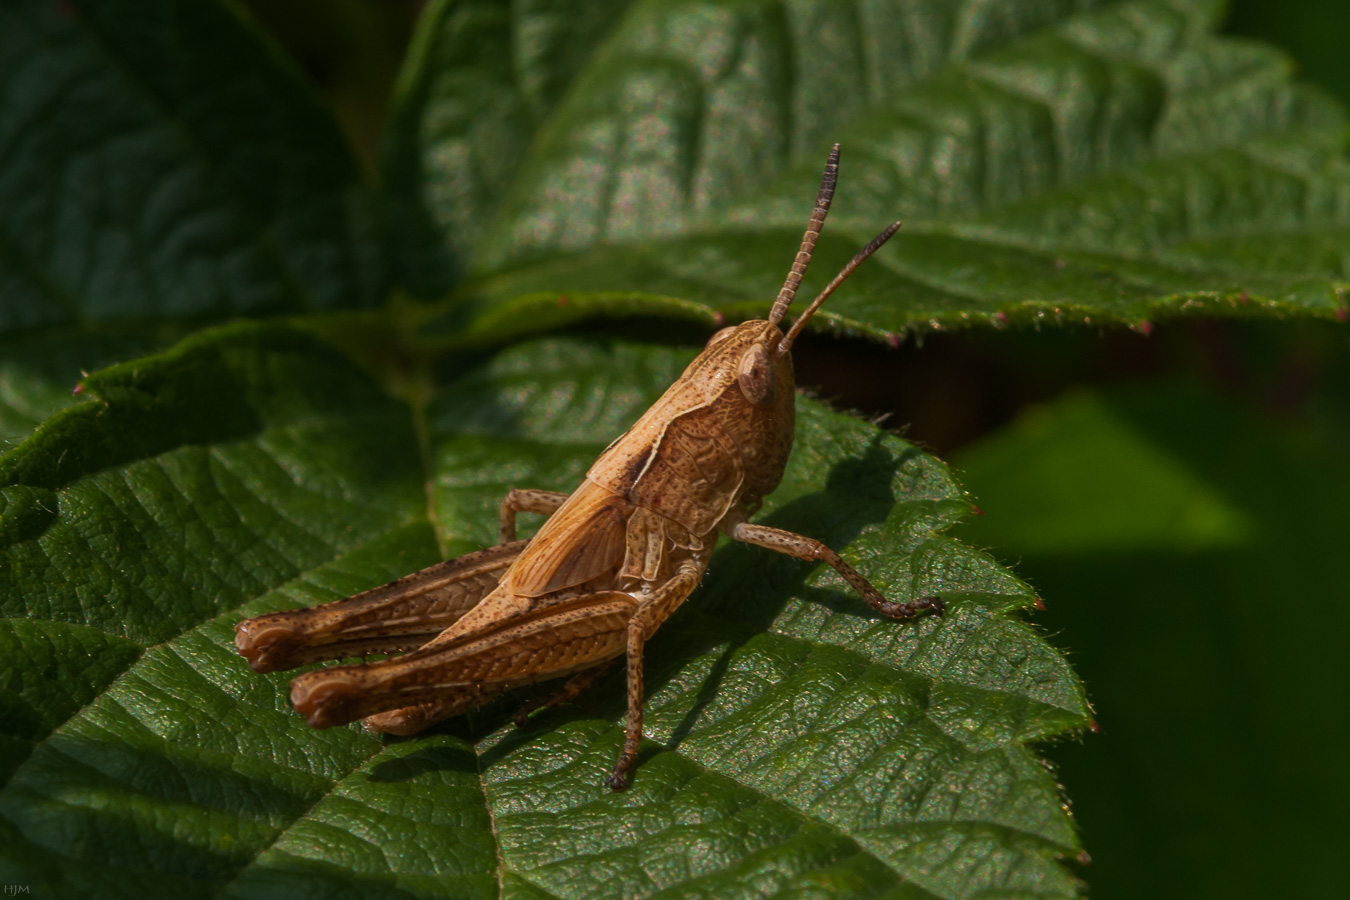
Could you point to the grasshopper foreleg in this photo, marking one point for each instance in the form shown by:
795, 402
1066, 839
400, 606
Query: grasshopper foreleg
519, 501
812, 550
646, 619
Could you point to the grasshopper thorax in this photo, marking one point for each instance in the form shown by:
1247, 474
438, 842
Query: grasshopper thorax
717, 440
752, 388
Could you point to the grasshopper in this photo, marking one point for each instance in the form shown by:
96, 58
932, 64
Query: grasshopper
615, 558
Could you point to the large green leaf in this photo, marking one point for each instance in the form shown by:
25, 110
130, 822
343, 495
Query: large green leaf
1053, 162
796, 742
161, 162
1196, 555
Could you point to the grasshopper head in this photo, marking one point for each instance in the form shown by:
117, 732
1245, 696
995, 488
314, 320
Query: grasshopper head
749, 350
748, 367
751, 390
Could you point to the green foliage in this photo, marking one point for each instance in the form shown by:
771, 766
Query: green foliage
38, 372
1051, 164
270, 422
1210, 629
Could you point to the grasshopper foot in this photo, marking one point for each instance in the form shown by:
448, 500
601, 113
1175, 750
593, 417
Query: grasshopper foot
622, 775
522, 715
913, 608
564, 694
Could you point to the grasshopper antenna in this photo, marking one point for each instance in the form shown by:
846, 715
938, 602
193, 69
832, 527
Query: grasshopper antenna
786, 343
813, 228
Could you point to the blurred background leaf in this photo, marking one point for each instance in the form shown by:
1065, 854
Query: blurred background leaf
163, 168
1191, 540
162, 163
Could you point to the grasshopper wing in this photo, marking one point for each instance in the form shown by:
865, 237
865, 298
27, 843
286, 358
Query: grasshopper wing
585, 540
401, 615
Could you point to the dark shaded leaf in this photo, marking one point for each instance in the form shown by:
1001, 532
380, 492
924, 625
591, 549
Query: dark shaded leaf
161, 162
40, 371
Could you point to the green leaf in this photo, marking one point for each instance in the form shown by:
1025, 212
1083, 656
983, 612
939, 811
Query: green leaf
1091, 481
1196, 549
796, 741
161, 162
1052, 162
40, 371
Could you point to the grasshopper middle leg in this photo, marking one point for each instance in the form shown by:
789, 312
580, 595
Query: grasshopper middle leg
519, 501
646, 619
811, 549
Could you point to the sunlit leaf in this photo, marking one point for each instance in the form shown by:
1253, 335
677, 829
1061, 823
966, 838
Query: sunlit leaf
1052, 162
795, 739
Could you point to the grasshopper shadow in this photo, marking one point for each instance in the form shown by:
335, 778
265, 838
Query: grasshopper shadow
423, 760
748, 586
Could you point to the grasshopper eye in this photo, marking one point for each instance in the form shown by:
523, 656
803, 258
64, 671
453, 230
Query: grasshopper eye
720, 336
756, 376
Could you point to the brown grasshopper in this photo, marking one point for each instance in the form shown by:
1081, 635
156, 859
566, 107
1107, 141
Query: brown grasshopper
616, 557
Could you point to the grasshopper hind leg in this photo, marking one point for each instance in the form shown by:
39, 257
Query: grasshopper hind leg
646, 619
421, 716
402, 615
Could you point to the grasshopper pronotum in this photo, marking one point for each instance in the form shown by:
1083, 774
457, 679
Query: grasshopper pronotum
616, 557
